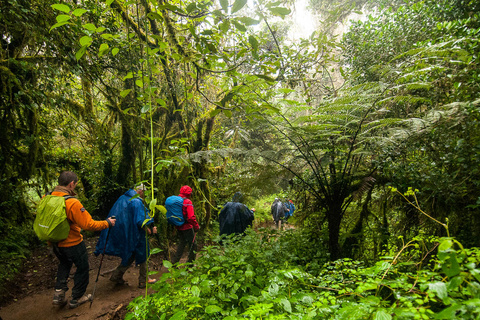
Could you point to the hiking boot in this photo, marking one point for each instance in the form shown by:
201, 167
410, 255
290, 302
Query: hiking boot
118, 282
82, 300
142, 285
59, 297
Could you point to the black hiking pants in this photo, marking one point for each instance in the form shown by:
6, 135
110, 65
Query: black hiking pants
187, 239
68, 256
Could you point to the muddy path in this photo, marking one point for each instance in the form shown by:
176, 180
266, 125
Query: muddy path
30, 295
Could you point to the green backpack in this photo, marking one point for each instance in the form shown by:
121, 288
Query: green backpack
51, 222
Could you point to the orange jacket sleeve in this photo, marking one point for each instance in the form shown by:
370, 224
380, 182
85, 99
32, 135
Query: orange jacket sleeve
79, 219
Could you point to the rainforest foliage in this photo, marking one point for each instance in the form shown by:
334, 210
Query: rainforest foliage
221, 96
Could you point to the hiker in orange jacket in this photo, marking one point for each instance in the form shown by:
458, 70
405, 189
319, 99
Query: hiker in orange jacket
72, 250
186, 232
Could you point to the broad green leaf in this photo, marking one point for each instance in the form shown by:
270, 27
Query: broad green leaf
128, 76
214, 112
61, 7
264, 77
155, 251
382, 315
213, 309
180, 315
56, 25
450, 312
155, 16
195, 291
103, 48
239, 26
89, 27
280, 11
139, 83
109, 2
253, 42
225, 25
100, 29
227, 113
152, 204
125, 92
80, 52
144, 223
439, 288
63, 17
238, 4
79, 12
286, 305
86, 41
191, 7
248, 21
162, 209
115, 51
224, 5
167, 264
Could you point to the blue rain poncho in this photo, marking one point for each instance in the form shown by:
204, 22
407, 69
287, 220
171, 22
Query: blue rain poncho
235, 217
127, 236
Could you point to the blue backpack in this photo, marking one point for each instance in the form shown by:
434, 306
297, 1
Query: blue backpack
174, 206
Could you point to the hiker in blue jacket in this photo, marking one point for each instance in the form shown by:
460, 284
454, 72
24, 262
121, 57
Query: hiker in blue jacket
290, 209
235, 217
127, 240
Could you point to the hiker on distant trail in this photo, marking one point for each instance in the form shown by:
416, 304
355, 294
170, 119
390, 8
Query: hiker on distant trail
127, 240
278, 212
72, 250
235, 217
290, 209
186, 232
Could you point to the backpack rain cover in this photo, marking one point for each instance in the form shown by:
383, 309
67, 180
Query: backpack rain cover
51, 222
174, 205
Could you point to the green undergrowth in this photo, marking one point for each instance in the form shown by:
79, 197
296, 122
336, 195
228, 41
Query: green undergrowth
258, 277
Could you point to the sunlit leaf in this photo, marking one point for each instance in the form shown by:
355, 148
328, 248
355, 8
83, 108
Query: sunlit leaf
61, 7
63, 17
103, 48
56, 25
89, 27
180, 315
213, 309
115, 51
79, 12
86, 41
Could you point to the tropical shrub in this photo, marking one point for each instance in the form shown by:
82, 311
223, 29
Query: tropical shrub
253, 278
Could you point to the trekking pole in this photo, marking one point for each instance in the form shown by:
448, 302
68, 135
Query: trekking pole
193, 242
100, 266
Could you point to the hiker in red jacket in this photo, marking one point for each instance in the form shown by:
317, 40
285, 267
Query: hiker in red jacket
186, 232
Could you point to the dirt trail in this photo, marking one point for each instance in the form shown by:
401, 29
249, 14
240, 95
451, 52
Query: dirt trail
31, 292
